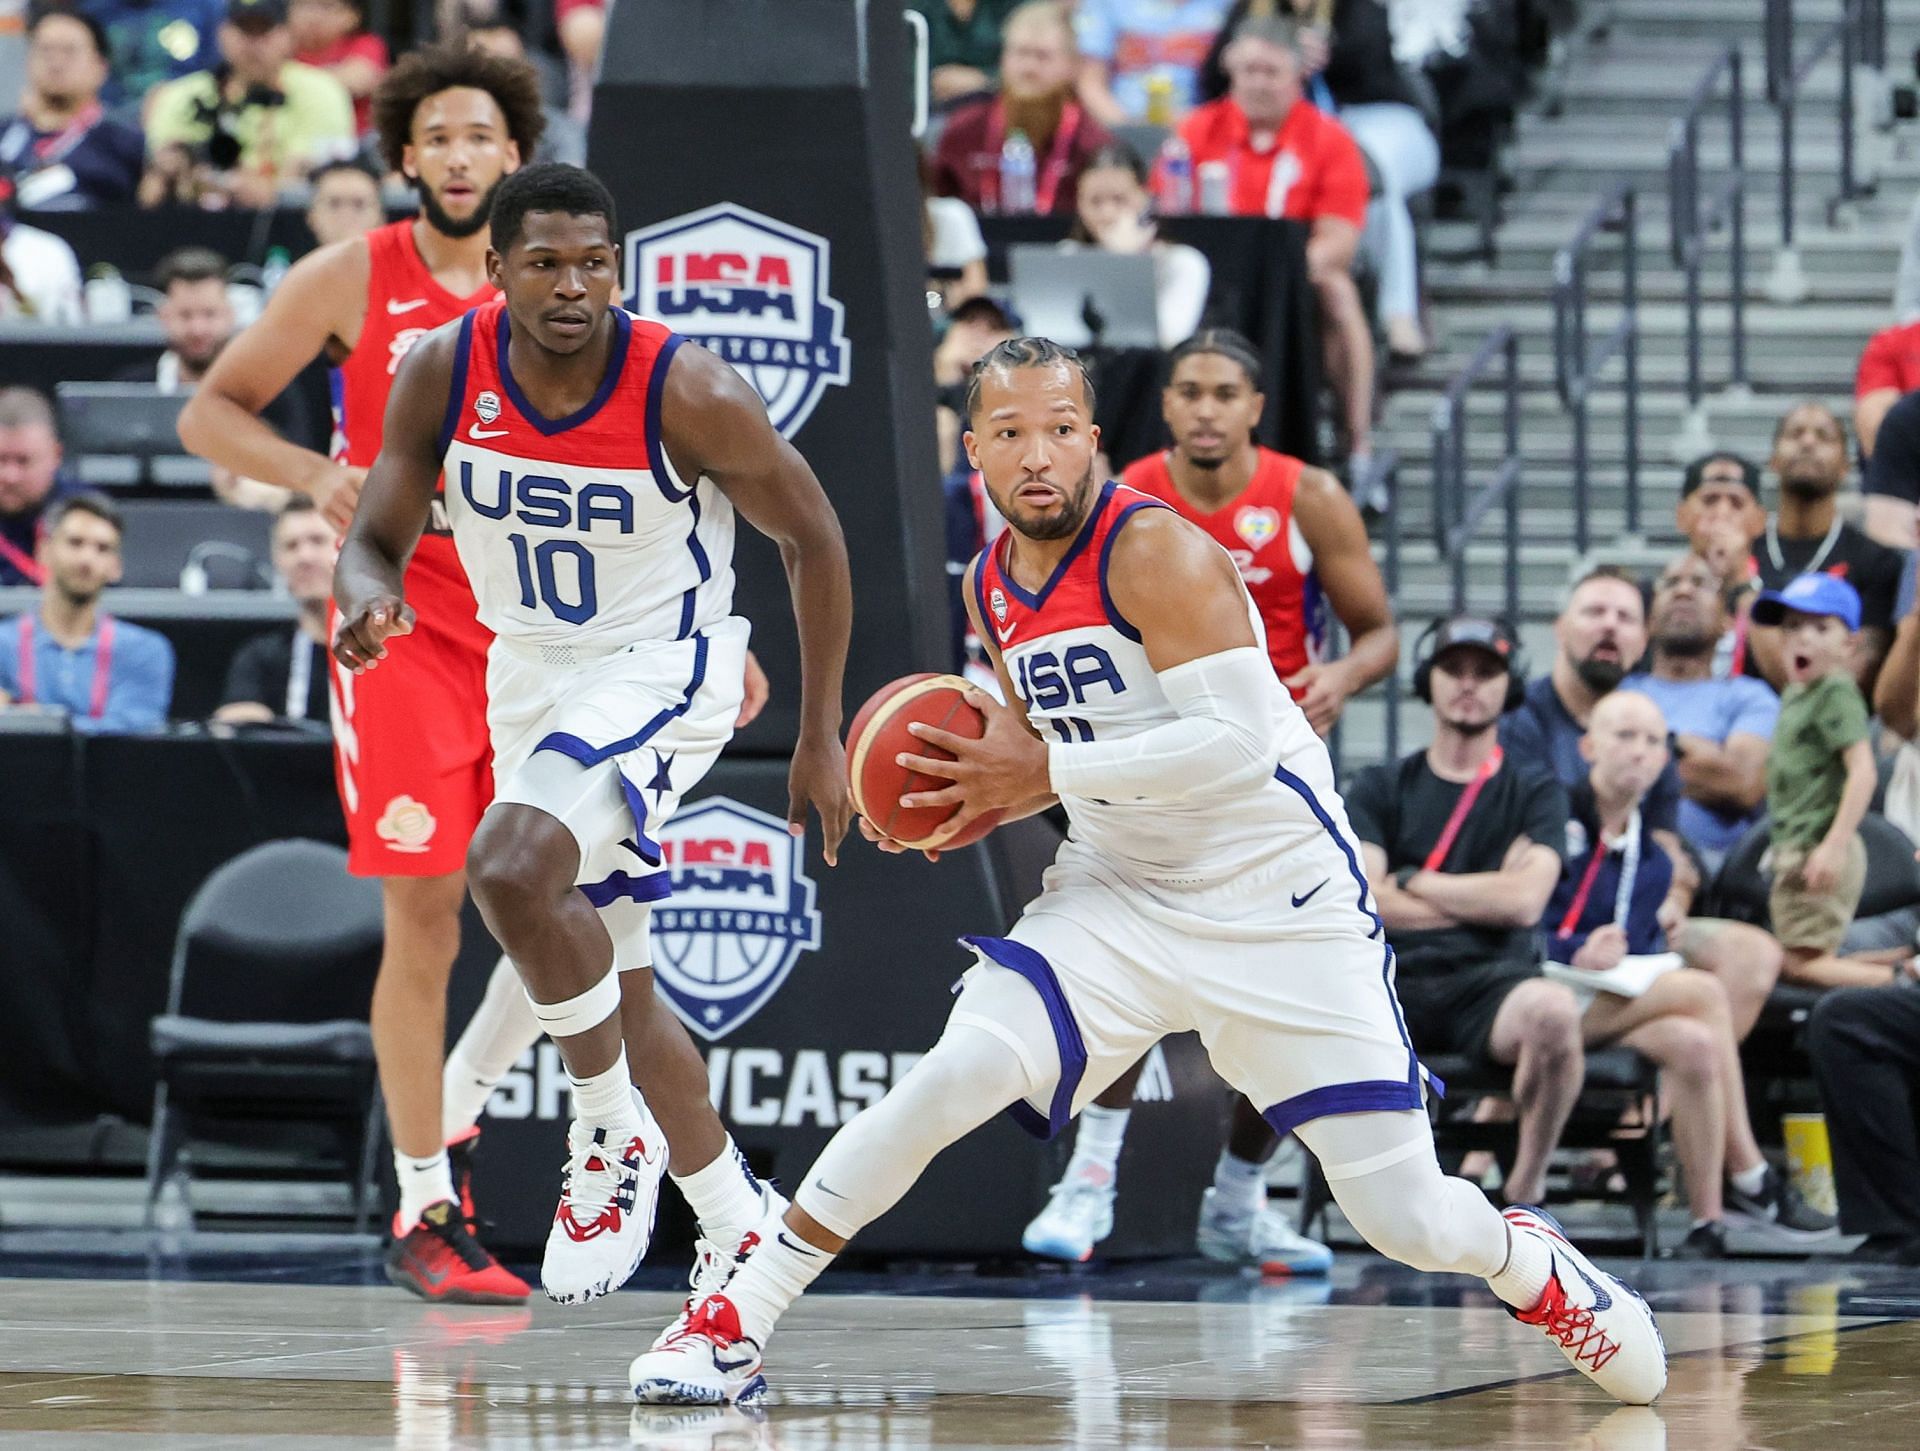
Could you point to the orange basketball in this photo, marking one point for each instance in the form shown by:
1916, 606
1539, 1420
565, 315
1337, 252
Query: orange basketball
879, 733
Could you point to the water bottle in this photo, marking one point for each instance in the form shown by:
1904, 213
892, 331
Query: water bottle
1216, 188
1174, 184
1159, 99
108, 298
275, 267
1016, 174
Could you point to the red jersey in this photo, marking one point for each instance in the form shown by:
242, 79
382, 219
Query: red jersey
1310, 168
1891, 360
1259, 531
404, 304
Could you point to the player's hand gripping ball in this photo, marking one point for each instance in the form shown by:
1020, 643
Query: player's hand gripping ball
877, 780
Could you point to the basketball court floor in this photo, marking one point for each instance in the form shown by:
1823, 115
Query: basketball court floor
231, 1347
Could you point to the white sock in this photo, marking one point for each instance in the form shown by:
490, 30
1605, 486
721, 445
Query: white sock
1529, 1263
606, 1100
1751, 1181
725, 1197
503, 1027
1239, 1187
1097, 1146
423, 1183
775, 1275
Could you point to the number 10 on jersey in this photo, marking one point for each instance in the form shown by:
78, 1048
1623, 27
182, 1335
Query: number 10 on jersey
542, 564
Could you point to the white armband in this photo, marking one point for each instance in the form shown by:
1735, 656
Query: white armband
1227, 736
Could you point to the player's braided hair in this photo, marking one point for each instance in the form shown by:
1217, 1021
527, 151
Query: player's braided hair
1026, 353
513, 84
1221, 342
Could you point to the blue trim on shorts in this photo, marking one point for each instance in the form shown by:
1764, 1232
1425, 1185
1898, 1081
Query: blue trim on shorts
1119, 621
451, 420
1373, 1094
589, 755
648, 848
1020, 958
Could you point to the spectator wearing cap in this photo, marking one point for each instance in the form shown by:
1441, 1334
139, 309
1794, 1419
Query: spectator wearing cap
1721, 727
238, 133
62, 151
70, 655
1286, 158
30, 481
1463, 844
331, 35
1036, 98
1806, 535
1721, 516
150, 42
1820, 780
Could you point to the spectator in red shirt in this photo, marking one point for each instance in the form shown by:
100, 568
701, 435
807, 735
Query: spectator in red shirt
1889, 366
331, 34
1287, 158
1038, 63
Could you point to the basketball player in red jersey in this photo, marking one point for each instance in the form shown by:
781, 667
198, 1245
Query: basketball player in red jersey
1301, 547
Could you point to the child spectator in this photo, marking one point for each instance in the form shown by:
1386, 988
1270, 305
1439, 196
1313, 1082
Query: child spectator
1820, 779
331, 35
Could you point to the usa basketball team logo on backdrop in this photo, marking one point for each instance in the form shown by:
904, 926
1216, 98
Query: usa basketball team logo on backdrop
741, 913
754, 291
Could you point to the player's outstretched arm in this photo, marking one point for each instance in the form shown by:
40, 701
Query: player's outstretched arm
1335, 533
221, 421
712, 423
368, 579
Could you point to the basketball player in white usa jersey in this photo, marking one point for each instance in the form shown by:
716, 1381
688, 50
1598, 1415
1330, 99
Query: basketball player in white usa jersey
1210, 882
593, 466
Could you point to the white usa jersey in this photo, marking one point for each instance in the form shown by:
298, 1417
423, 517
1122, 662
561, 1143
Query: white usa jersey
1083, 675
577, 530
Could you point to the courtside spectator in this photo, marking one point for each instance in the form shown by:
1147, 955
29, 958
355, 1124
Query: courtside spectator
1286, 158
1807, 535
71, 655
282, 674
239, 132
345, 202
61, 151
1463, 846
1114, 214
1721, 727
152, 41
1865, 1047
1036, 98
30, 480
963, 45
1720, 514
1143, 57
39, 275
1891, 479
331, 35
1606, 907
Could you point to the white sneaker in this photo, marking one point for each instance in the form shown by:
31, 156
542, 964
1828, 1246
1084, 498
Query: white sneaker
1595, 1318
608, 1193
703, 1360
713, 1265
1079, 1214
1263, 1238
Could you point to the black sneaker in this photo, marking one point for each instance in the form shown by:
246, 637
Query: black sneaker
1703, 1242
1778, 1209
460, 1162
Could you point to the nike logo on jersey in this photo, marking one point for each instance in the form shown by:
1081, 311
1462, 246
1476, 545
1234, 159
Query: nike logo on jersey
1006, 634
1302, 900
394, 309
476, 431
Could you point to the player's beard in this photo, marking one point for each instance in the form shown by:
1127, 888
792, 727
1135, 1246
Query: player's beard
1069, 519
452, 226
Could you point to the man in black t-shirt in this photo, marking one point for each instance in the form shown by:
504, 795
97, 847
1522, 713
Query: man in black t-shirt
1463, 845
282, 674
1806, 534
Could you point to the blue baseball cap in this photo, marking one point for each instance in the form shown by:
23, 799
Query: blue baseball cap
1810, 594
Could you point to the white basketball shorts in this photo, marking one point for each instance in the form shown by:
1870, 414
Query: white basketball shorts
1285, 974
609, 743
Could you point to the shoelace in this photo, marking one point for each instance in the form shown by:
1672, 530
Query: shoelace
1572, 1326
591, 1181
1071, 1194
453, 1233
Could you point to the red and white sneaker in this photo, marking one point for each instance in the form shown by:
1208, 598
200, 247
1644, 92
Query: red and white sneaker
703, 1359
608, 1194
1597, 1320
440, 1260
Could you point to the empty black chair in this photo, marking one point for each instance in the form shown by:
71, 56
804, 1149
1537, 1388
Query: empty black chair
266, 1021
171, 541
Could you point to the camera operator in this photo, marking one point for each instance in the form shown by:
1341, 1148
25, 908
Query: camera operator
234, 135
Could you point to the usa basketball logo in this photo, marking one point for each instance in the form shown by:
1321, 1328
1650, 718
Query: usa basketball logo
998, 603
754, 291
741, 913
487, 405
1256, 526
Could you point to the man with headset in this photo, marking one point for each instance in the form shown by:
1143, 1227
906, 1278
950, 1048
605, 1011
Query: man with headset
1464, 844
